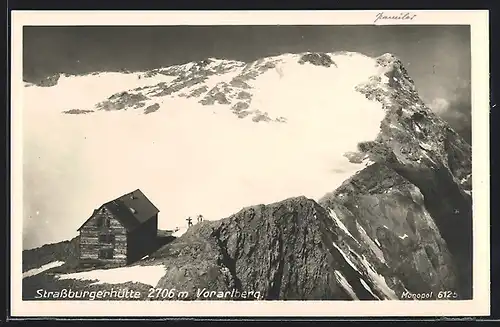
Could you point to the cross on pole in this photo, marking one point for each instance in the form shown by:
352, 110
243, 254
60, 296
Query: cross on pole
189, 220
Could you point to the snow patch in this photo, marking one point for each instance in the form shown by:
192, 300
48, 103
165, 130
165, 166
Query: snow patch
406, 111
385, 79
188, 66
378, 252
36, 271
345, 284
377, 241
149, 275
403, 237
339, 223
346, 258
426, 155
425, 146
463, 180
369, 163
180, 232
379, 280
365, 285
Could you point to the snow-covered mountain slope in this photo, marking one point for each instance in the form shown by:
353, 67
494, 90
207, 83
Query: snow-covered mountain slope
367, 193
219, 135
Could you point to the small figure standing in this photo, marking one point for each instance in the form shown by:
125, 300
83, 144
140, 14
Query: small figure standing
200, 218
190, 223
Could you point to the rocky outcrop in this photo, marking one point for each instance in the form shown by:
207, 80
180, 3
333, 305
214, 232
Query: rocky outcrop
49, 81
123, 100
285, 251
317, 59
151, 108
77, 112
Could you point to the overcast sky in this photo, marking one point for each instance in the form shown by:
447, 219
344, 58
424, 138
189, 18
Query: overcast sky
437, 57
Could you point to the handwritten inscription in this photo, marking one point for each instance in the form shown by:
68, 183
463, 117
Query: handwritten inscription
381, 16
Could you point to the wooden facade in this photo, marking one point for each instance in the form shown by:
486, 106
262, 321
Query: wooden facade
120, 232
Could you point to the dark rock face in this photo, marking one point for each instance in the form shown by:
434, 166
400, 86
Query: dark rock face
317, 59
391, 226
283, 251
423, 149
280, 250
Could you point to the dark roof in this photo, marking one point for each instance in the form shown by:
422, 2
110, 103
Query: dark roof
131, 209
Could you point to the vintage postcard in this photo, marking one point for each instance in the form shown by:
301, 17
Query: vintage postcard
250, 163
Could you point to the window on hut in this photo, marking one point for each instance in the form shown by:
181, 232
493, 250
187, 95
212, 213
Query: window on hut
105, 253
103, 222
106, 238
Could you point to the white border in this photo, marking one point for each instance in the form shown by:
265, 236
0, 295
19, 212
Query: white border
478, 20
